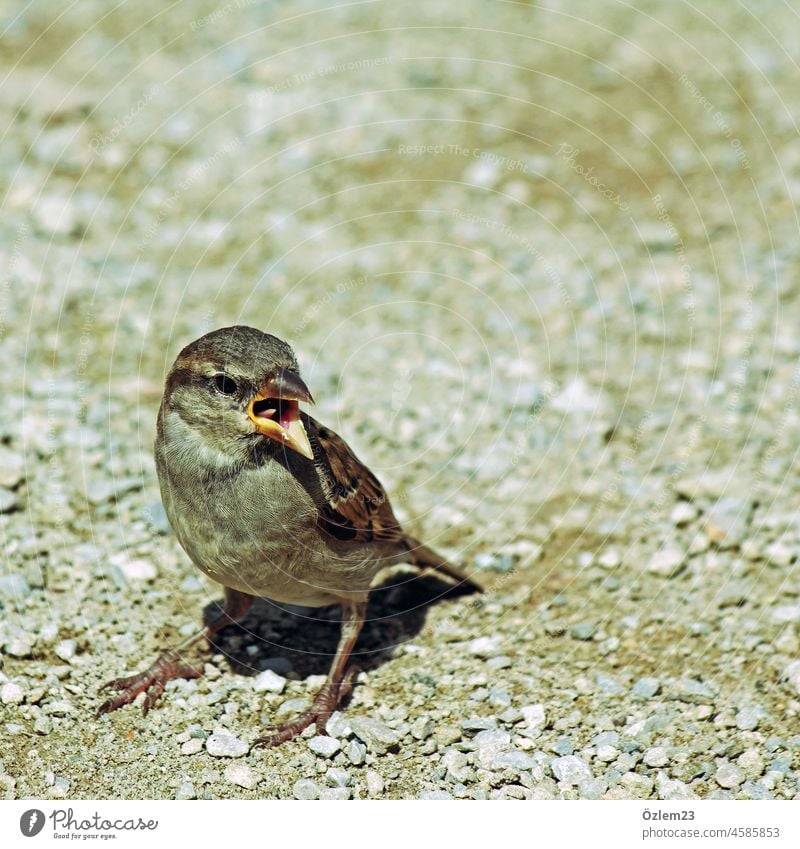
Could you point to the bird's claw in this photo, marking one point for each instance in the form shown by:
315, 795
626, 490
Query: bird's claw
152, 682
325, 703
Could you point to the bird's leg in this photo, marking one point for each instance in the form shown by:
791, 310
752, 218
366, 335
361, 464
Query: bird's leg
170, 664
337, 686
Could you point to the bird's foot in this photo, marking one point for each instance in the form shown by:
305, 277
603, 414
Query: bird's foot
152, 681
325, 703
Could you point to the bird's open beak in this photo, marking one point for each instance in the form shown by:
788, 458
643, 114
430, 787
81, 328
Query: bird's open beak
275, 411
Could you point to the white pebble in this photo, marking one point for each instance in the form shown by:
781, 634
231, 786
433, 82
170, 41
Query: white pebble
325, 747
11, 694
269, 681
241, 775
226, 746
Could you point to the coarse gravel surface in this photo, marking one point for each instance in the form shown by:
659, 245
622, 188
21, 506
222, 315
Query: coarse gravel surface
540, 267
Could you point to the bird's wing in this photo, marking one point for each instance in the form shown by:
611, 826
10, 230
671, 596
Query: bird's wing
356, 507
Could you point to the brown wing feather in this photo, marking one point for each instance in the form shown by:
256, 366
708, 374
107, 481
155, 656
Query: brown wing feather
357, 508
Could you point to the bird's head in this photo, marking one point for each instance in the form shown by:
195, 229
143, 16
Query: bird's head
237, 384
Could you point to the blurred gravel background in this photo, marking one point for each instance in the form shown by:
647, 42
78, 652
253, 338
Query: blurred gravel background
539, 263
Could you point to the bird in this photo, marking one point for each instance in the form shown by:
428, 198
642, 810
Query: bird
269, 503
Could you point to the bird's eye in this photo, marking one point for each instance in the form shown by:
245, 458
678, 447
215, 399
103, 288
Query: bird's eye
225, 384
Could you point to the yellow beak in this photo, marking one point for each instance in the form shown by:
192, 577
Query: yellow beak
276, 413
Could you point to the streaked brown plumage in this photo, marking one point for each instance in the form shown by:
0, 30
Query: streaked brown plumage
268, 502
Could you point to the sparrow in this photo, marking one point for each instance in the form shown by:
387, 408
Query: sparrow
269, 503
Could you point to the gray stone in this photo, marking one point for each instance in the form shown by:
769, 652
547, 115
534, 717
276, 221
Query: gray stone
749, 717
791, 673
729, 775
513, 760
338, 777
335, 793
534, 716
457, 765
655, 757
186, 791
780, 554
485, 646
374, 783
12, 468
338, 725
672, 788
432, 795
11, 694
583, 631
786, 613
14, 587
377, 736
356, 752
241, 775
491, 744
422, 728
692, 691
269, 681
727, 520
325, 747
608, 684
646, 688
592, 788
305, 789
8, 500
570, 769
667, 562
226, 746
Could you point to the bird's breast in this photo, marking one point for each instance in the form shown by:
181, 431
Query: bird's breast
256, 531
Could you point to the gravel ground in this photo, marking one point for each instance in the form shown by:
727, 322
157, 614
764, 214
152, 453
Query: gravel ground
540, 268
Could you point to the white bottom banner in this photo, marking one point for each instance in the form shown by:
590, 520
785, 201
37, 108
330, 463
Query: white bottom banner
463, 824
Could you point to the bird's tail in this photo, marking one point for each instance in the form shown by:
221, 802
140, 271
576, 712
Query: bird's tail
425, 557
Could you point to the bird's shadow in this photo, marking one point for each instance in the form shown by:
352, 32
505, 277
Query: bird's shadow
303, 641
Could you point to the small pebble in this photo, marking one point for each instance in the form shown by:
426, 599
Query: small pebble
14, 587
241, 775
729, 775
356, 752
335, 793
338, 777
374, 783
8, 500
325, 747
656, 756
667, 562
269, 681
534, 716
377, 736
306, 789
192, 746
570, 769
226, 746
491, 744
11, 694
646, 688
